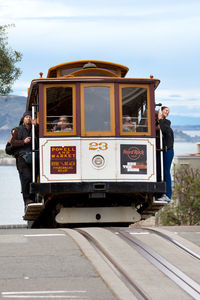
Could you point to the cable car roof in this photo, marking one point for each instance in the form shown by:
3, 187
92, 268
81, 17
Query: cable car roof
83, 67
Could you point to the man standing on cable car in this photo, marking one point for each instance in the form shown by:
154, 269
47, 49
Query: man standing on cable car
22, 142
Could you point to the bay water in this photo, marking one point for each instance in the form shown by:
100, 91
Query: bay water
11, 200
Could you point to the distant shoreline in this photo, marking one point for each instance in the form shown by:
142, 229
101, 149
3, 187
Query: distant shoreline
7, 161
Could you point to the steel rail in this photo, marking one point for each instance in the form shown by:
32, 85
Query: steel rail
167, 237
186, 283
121, 273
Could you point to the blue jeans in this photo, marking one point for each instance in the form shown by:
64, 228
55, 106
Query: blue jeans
167, 160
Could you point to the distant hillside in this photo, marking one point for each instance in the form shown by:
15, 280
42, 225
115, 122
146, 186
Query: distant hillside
11, 111
180, 136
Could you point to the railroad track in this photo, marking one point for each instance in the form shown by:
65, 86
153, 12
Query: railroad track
181, 246
121, 250
116, 267
184, 281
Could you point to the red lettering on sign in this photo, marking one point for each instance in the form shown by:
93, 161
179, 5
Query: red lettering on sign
133, 153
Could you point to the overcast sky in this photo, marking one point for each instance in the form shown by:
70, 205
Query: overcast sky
155, 37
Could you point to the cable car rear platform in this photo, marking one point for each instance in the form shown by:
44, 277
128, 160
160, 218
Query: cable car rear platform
94, 202
94, 187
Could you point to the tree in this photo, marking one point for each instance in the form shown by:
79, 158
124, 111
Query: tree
8, 58
185, 207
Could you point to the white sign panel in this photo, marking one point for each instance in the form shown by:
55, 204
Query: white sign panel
100, 159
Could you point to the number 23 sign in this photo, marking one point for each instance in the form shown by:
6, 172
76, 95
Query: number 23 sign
98, 146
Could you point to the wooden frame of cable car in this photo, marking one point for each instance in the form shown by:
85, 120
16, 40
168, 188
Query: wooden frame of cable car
77, 78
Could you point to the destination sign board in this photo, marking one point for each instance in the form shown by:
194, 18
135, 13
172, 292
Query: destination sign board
63, 160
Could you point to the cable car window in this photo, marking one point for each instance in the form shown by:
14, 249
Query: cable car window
92, 74
59, 109
134, 107
97, 108
65, 72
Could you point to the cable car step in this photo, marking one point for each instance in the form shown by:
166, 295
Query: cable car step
159, 203
33, 211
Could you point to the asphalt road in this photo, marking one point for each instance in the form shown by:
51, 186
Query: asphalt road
49, 263
46, 264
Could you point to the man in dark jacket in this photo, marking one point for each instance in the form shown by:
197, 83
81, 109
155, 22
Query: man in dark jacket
21, 142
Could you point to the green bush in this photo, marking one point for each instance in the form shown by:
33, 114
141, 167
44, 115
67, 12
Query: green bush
185, 206
2, 153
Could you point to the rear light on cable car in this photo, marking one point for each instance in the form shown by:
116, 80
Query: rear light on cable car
98, 161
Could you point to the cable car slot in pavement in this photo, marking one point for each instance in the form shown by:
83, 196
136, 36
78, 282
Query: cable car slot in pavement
122, 274
181, 279
167, 237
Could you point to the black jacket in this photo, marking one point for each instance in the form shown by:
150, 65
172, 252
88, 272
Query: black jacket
18, 137
168, 134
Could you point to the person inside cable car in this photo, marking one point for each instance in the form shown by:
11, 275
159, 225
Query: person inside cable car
128, 125
62, 124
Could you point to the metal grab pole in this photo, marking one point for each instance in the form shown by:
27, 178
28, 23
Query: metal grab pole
33, 145
161, 156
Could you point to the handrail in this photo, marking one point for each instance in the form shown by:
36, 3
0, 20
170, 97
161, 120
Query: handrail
33, 144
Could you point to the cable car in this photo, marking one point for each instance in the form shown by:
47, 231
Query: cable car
97, 146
